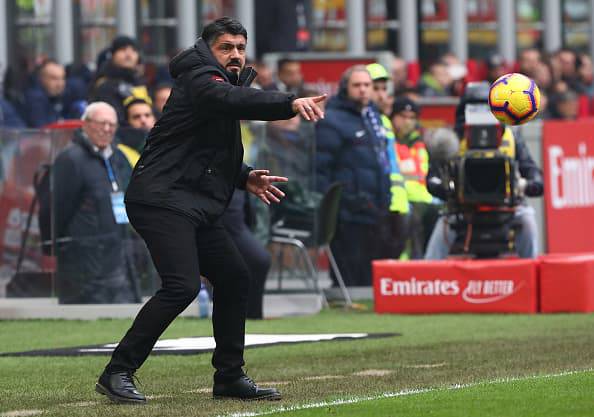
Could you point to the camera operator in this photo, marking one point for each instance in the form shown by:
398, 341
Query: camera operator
530, 183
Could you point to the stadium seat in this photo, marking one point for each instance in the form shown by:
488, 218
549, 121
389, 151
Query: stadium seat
320, 238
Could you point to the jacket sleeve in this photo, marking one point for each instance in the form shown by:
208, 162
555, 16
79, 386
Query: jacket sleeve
67, 185
328, 144
529, 170
212, 95
243, 176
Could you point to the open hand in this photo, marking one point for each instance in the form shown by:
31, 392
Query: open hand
308, 107
260, 184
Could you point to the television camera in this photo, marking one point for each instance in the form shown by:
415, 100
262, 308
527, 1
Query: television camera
482, 183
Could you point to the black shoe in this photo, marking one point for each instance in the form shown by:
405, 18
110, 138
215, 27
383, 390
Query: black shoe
119, 387
244, 388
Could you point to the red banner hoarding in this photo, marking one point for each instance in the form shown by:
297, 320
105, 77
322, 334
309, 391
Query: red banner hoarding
477, 286
568, 153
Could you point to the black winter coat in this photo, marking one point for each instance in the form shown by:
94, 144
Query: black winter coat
114, 84
193, 157
91, 245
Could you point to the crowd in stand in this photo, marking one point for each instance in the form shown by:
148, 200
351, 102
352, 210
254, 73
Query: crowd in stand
565, 79
385, 199
54, 92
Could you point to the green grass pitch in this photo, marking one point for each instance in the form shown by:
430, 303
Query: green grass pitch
441, 365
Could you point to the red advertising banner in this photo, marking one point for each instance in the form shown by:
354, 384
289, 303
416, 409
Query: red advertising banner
477, 286
568, 151
567, 283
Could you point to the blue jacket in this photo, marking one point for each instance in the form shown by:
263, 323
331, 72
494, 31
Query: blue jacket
9, 116
39, 109
347, 151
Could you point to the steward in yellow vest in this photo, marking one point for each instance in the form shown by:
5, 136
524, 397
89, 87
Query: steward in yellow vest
392, 232
414, 165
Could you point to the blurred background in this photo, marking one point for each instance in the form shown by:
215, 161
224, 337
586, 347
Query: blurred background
55, 56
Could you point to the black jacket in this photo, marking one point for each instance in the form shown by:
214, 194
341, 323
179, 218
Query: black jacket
114, 84
192, 160
82, 190
90, 247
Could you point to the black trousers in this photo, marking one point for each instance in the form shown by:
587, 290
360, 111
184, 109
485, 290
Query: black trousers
257, 259
181, 252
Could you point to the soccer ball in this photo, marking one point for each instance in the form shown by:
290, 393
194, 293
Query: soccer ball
514, 99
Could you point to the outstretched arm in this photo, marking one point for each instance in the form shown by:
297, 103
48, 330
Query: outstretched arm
212, 95
261, 185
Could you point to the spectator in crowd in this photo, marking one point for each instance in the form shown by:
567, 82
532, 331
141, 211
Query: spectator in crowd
391, 237
161, 93
380, 96
80, 72
414, 165
567, 60
9, 117
140, 115
559, 86
543, 76
265, 79
495, 67
409, 92
457, 71
399, 73
564, 105
437, 81
289, 76
91, 226
118, 77
544, 111
132, 138
349, 150
528, 61
52, 97
586, 75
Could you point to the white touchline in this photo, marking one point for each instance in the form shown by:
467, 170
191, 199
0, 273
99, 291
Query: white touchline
351, 400
354, 400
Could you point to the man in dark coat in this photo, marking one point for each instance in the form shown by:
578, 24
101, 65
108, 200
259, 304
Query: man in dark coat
53, 97
351, 149
93, 266
181, 186
117, 79
9, 117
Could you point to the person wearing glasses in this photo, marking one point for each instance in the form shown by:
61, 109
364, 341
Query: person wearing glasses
90, 223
